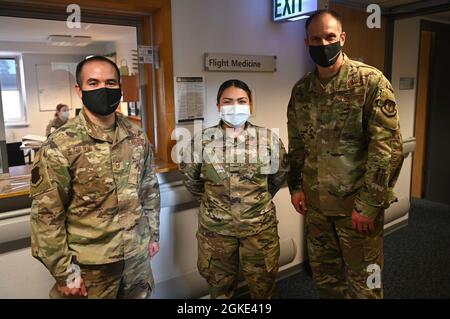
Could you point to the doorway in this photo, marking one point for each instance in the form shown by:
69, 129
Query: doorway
431, 174
37, 72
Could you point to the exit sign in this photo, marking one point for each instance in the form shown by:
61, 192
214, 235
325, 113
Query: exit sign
295, 9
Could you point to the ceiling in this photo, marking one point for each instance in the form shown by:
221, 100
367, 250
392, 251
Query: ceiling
399, 6
445, 16
35, 30
385, 4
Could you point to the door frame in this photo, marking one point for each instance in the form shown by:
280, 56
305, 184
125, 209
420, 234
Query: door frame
151, 16
427, 31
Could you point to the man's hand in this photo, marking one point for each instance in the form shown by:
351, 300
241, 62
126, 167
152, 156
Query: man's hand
362, 223
298, 200
75, 288
153, 248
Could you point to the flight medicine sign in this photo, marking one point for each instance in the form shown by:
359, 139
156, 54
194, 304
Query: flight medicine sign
240, 63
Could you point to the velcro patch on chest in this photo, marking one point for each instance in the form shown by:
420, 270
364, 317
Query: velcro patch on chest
36, 177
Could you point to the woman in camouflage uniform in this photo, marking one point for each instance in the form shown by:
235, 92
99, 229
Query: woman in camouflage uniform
60, 118
236, 170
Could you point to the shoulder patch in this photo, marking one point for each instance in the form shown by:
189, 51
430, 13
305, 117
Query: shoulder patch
36, 177
389, 108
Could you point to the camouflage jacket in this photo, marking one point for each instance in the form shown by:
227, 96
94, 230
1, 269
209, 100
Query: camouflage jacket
345, 145
93, 198
236, 191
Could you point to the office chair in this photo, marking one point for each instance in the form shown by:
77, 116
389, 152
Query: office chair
15, 154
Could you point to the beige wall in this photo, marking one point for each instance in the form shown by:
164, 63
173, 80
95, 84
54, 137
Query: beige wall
405, 64
364, 44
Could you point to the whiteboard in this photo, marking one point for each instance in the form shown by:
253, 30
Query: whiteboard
53, 85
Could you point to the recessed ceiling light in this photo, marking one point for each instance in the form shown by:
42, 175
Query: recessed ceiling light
68, 40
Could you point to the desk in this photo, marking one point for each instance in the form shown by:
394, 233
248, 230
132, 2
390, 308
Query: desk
17, 184
20, 170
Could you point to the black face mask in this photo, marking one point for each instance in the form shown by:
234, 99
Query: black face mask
325, 55
102, 101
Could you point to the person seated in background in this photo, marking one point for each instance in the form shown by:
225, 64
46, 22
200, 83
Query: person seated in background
60, 118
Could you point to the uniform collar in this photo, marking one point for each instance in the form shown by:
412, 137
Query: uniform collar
339, 82
123, 129
240, 139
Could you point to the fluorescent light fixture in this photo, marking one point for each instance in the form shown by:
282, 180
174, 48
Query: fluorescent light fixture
69, 40
299, 18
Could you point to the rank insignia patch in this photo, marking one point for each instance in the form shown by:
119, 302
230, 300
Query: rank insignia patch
36, 177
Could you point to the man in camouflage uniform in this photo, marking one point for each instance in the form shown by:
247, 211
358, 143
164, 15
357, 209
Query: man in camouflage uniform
95, 208
345, 151
237, 218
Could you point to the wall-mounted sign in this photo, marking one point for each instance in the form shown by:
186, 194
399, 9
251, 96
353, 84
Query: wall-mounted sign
240, 63
190, 94
296, 9
406, 83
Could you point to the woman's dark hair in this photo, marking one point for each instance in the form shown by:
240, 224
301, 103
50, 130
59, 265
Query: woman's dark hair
59, 107
234, 83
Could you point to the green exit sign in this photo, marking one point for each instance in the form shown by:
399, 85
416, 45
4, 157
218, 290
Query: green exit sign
295, 9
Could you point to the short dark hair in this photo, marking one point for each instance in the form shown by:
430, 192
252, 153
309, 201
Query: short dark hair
320, 13
234, 83
98, 58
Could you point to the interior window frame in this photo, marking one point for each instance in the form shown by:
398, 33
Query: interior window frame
23, 121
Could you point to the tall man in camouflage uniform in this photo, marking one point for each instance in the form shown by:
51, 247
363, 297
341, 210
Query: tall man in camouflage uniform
95, 209
345, 151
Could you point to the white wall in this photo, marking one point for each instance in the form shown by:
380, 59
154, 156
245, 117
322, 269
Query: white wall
240, 27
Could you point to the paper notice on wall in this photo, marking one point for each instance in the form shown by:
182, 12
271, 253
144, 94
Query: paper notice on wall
145, 54
189, 98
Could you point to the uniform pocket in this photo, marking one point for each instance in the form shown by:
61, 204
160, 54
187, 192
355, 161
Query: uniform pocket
204, 257
214, 174
136, 165
253, 173
272, 253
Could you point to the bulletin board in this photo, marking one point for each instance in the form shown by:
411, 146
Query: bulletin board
53, 85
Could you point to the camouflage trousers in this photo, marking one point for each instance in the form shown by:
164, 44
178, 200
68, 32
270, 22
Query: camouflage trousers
220, 257
127, 279
344, 262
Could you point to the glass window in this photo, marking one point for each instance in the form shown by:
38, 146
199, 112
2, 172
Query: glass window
11, 93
